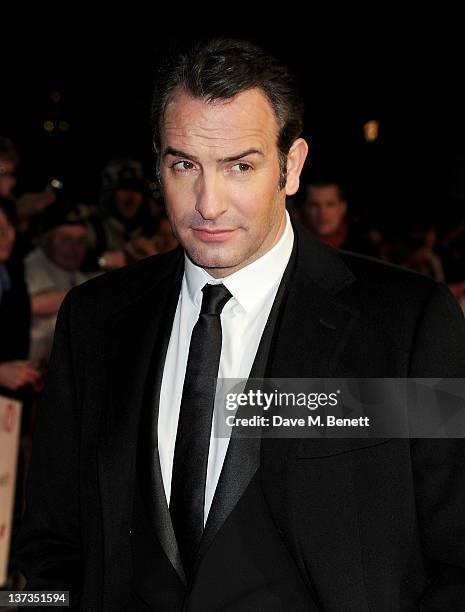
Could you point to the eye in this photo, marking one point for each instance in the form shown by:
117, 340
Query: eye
183, 166
242, 168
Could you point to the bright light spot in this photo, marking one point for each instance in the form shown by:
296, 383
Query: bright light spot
370, 130
56, 184
49, 126
64, 126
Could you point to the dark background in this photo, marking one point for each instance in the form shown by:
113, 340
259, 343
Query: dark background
405, 72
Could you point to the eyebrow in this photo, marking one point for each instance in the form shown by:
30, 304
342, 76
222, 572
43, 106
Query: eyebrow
178, 153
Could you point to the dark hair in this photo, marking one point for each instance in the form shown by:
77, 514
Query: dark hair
8, 151
326, 182
219, 69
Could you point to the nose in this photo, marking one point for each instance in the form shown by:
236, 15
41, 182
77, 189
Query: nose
210, 201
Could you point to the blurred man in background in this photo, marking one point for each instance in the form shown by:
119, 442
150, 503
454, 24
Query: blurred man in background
8, 167
324, 212
126, 217
29, 205
52, 269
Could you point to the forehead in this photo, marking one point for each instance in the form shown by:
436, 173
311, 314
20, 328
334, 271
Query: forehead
328, 192
245, 121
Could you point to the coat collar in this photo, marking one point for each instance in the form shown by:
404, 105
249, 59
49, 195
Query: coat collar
317, 319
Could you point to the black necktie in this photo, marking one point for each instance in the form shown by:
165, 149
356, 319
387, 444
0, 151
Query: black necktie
194, 426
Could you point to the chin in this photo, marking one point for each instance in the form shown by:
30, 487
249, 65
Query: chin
212, 259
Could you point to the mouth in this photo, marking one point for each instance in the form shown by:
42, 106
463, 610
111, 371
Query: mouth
212, 235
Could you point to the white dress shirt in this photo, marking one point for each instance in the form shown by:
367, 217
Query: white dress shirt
253, 289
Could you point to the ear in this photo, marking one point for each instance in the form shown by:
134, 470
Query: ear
295, 161
344, 206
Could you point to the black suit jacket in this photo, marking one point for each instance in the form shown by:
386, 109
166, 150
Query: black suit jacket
367, 524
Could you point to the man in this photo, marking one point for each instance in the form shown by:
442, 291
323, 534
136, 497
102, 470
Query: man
29, 204
16, 373
125, 220
133, 504
52, 269
324, 212
8, 167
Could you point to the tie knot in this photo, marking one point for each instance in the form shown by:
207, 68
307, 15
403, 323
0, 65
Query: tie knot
214, 299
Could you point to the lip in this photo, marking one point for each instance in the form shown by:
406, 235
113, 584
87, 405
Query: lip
212, 235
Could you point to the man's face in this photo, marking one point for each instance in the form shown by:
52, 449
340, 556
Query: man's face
67, 246
7, 178
7, 237
219, 173
324, 210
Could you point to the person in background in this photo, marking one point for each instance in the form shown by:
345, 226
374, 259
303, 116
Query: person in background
8, 167
126, 216
52, 269
29, 204
16, 372
324, 213
419, 251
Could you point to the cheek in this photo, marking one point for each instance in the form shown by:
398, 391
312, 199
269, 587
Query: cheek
179, 215
334, 216
177, 208
254, 200
314, 214
178, 196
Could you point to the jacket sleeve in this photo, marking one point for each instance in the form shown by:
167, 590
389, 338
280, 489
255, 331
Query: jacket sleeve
49, 539
439, 464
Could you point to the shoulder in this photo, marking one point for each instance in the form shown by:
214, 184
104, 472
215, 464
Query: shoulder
373, 275
395, 290
37, 272
109, 292
362, 281
407, 304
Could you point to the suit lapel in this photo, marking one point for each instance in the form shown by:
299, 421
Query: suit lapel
150, 475
316, 321
313, 330
133, 337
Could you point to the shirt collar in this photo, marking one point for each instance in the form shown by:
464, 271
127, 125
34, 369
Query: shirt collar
249, 285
